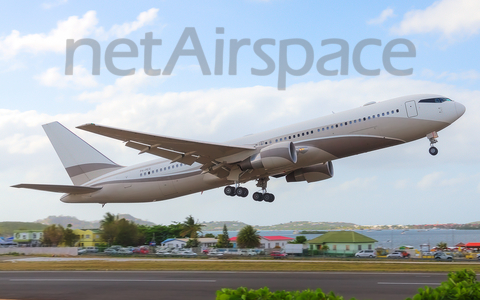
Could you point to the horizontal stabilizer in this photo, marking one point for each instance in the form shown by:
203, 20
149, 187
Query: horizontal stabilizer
67, 189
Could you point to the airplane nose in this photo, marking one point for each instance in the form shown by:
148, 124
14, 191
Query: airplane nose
460, 108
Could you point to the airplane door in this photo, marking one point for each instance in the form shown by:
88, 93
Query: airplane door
411, 109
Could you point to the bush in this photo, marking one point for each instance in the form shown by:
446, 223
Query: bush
461, 285
265, 294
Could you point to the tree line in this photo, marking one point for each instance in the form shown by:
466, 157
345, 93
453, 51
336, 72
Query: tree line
116, 231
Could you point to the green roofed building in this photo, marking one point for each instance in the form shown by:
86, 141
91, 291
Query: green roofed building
342, 242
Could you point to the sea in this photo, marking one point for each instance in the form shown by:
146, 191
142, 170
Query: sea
392, 239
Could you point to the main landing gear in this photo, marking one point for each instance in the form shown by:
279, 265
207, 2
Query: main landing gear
236, 191
432, 137
257, 196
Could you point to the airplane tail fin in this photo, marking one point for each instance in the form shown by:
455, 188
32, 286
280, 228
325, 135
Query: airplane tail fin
81, 161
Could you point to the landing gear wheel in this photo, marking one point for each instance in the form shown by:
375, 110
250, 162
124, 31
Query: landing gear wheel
229, 190
241, 192
257, 196
433, 151
267, 197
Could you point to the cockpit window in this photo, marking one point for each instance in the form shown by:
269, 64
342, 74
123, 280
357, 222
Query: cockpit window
434, 100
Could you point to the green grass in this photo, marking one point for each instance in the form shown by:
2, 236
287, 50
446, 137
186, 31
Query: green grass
224, 265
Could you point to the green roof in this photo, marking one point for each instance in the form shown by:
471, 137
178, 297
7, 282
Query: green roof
342, 237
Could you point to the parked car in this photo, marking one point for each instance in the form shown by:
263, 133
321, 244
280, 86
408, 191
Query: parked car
185, 252
215, 252
232, 252
125, 251
366, 253
141, 250
248, 252
399, 254
205, 251
110, 251
278, 254
91, 249
442, 256
81, 250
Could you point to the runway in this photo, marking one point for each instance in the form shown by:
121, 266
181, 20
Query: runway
93, 285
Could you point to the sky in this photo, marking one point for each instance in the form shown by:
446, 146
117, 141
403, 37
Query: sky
399, 185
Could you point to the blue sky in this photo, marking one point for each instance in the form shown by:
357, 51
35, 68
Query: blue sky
401, 185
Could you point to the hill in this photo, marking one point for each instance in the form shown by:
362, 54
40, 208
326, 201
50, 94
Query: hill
7, 228
79, 224
307, 225
300, 225
218, 225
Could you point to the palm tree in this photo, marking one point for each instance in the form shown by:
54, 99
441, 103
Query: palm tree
108, 218
248, 237
190, 228
442, 245
109, 227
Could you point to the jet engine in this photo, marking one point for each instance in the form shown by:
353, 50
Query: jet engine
312, 173
273, 156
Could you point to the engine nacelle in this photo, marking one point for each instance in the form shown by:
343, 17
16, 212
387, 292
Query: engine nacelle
312, 173
271, 157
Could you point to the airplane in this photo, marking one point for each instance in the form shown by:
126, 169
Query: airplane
299, 152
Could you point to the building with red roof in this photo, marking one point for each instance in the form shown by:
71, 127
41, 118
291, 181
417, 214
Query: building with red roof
268, 242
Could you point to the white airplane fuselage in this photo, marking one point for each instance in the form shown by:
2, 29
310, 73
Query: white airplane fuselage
324, 139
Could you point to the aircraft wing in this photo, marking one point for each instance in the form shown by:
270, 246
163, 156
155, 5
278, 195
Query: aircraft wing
67, 189
175, 149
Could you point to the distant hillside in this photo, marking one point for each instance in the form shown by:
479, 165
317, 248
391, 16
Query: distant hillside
301, 225
7, 228
306, 225
218, 225
79, 224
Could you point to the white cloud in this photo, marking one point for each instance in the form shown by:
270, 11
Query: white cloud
73, 28
143, 19
48, 5
80, 79
430, 180
451, 18
387, 13
451, 76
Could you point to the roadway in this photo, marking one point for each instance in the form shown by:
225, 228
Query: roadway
120, 285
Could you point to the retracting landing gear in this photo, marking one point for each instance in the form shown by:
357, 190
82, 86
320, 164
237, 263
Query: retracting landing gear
259, 196
432, 137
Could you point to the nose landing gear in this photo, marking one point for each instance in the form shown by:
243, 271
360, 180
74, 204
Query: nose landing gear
432, 137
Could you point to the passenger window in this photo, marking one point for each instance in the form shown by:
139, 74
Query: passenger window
323, 129
354, 121
341, 124
373, 117
280, 139
303, 134
388, 113
307, 132
336, 125
364, 119
378, 116
350, 122
311, 131
398, 110
383, 114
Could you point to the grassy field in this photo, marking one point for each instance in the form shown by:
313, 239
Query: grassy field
225, 265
